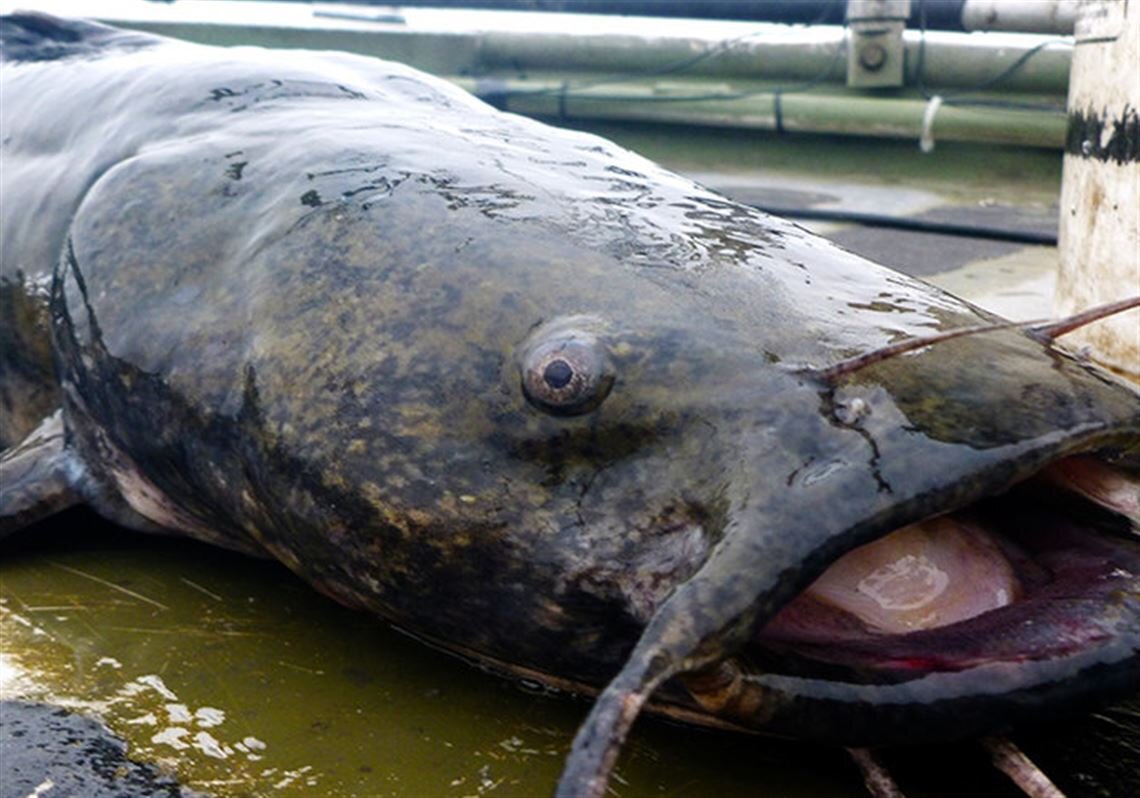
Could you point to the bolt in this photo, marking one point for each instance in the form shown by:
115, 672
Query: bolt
872, 57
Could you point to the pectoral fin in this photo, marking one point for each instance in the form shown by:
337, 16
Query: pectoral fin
35, 477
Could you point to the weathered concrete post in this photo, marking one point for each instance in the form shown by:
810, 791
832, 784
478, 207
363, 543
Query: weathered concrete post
1100, 190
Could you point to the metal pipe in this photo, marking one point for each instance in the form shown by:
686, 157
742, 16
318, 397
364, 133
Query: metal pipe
1022, 16
809, 112
941, 14
947, 61
757, 81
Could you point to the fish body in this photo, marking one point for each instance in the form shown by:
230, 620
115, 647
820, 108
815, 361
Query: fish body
531, 397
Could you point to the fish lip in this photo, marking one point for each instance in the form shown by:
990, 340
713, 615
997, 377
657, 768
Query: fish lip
869, 691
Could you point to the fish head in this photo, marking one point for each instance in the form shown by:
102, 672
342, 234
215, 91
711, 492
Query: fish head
897, 550
669, 454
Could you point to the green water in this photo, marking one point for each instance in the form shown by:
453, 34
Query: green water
243, 681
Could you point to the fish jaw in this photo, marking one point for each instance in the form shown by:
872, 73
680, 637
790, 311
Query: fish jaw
858, 690
823, 668
894, 445
1045, 515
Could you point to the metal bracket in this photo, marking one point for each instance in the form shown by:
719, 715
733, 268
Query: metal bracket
875, 44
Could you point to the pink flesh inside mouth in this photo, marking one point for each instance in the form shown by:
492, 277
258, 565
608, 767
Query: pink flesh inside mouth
922, 576
1013, 579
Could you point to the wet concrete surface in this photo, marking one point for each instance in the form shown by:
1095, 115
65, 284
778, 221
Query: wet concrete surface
918, 253
47, 750
926, 254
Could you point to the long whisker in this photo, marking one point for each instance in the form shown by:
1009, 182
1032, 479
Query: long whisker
876, 778
599, 740
1043, 331
853, 364
1048, 332
1013, 762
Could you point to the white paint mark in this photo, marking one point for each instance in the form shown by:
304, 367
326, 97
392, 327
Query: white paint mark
172, 737
43, 787
207, 717
155, 682
179, 713
20, 619
9, 673
291, 776
209, 745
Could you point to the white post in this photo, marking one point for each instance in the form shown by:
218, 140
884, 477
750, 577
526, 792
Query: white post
1100, 189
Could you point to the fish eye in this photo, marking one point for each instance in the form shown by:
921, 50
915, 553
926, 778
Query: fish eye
566, 372
558, 374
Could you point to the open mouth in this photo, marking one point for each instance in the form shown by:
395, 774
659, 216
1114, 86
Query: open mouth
1048, 569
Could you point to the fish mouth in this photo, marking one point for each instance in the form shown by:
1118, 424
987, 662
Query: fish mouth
1042, 574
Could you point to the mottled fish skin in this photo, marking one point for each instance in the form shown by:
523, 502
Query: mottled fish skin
290, 298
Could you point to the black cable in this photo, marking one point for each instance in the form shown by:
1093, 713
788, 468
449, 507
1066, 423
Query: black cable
960, 98
916, 225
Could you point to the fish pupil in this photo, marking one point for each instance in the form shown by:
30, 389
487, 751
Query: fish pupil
558, 374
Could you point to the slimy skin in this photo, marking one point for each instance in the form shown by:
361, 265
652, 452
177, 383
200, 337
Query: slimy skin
519, 391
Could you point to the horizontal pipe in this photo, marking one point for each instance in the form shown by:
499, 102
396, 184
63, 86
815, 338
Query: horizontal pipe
1028, 16
1023, 16
639, 77
808, 112
940, 14
947, 61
